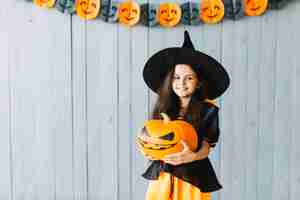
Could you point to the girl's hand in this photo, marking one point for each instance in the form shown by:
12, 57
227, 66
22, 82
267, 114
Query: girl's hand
186, 155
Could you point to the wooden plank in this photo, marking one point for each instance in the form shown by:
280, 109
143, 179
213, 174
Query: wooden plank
254, 51
266, 75
226, 115
102, 107
294, 181
79, 98
139, 103
283, 105
5, 129
125, 106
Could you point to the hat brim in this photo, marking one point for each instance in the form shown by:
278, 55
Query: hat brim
158, 65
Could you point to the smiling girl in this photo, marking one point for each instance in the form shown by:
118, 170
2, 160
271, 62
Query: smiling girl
185, 80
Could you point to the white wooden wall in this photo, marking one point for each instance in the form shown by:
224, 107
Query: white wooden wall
72, 99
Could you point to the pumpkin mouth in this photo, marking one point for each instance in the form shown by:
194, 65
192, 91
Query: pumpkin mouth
212, 16
168, 19
129, 18
255, 8
153, 146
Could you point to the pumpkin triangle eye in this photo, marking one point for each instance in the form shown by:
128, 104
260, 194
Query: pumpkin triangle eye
169, 136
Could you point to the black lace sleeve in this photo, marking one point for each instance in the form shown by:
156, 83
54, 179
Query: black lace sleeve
211, 131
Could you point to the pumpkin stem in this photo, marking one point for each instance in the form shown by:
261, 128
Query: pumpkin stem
165, 117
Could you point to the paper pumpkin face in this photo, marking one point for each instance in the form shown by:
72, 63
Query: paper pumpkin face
234, 9
149, 14
162, 137
212, 11
190, 13
45, 3
87, 9
169, 14
129, 13
255, 7
109, 11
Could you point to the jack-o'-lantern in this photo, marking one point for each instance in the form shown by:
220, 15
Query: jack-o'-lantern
212, 11
162, 137
169, 14
45, 3
87, 9
109, 11
129, 13
255, 7
190, 13
149, 14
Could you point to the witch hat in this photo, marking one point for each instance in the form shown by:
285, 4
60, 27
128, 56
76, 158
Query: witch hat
159, 64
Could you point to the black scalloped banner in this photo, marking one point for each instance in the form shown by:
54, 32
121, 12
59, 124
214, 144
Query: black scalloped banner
166, 14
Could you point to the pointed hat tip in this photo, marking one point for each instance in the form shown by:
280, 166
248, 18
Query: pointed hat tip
187, 40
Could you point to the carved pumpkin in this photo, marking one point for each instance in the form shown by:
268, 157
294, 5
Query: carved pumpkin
212, 11
255, 7
161, 137
190, 13
169, 14
129, 13
149, 14
234, 9
109, 11
87, 9
45, 3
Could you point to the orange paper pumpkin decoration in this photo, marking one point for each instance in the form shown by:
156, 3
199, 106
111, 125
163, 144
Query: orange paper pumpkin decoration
255, 7
45, 3
169, 14
212, 11
87, 9
129, 13
161, 137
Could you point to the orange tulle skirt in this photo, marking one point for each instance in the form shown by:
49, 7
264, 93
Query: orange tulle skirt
169, 187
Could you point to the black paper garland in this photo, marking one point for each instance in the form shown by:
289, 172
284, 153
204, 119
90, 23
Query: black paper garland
234, 10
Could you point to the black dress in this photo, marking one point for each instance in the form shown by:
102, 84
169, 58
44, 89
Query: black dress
199, 173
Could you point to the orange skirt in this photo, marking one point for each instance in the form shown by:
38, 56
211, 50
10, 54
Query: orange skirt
162, 189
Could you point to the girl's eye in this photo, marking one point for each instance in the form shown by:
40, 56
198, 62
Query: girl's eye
176, 77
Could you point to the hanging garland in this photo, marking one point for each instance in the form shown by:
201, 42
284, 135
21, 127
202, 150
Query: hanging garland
166, 14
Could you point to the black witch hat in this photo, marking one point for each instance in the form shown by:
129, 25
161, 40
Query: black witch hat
158, 66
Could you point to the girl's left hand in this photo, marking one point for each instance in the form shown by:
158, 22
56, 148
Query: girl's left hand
185, 156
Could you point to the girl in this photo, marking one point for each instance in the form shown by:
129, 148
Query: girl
185, 79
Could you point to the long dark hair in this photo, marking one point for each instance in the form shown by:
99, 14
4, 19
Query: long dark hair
169, 103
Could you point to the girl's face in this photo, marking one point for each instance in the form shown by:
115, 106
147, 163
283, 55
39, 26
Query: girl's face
185, 81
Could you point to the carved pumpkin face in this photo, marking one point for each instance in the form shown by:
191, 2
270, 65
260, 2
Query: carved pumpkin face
109, 11
190, 13
149, 14
87, 9
212, 11
169, 14
162, 137
255, 7
45, 3
129, 13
